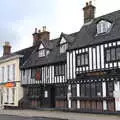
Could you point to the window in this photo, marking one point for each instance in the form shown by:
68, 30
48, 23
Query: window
8, 72
103, 26
13, 71
88, 89
82, 59
7, 94
112, 54
48, 73
3, 74
98, 89
82, 90
74, 90
61, 91
33, 72
109, 89
60, 70
42, 53
13, 95
93, 90
63, 47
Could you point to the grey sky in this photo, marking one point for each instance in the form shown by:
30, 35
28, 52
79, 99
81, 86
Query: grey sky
20, 17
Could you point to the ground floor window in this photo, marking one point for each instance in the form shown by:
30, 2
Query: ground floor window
91, 89
109, 88
74, 90
61, 91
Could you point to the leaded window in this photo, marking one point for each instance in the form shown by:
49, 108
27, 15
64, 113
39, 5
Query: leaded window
41, 52
112, 54
82, 59
61, 91
88, 89
109, 89
74, 90
59, 70
99, 89
82, 90
93, 89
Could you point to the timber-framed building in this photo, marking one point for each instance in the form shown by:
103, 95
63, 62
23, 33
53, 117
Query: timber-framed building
78, 71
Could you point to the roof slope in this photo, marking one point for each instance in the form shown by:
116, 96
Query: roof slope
87, 34
25, 52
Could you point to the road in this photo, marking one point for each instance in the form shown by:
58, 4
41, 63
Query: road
13, 117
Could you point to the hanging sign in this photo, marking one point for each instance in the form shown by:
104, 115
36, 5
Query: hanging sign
37, 76
10, 84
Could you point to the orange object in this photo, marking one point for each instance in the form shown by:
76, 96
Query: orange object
11, 84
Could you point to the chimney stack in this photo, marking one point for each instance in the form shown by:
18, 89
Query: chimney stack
39, 35
89, 12
6, 49
44, 35
35, 37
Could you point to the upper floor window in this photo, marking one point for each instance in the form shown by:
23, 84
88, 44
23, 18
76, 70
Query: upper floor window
8, 72
13, 71
63, 45
43, 51
103, 26
59, 70
112, 54
82, 59
3, 73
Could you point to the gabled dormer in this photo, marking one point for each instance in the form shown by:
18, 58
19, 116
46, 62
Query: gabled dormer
42, 51
103, 26
63, 45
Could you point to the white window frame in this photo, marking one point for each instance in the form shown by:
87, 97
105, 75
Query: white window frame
63, 45
103, 26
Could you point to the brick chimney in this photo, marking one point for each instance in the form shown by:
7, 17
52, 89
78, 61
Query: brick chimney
44, 35
89, 12
36, 37
6, 49
40, 35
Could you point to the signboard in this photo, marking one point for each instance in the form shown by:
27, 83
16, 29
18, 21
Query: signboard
37, 76
95, 73
10, 84
46, 94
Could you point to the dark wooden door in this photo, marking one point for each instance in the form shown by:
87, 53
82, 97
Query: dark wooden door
52, 97
111, 106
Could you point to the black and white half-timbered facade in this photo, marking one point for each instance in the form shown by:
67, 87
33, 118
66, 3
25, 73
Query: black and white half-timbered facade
44, 74
93, 64
79, 71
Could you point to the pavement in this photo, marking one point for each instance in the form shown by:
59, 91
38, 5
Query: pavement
44, 115
13, 117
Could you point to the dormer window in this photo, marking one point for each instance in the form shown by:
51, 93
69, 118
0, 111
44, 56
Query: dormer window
43, 51
103, 27
63, 45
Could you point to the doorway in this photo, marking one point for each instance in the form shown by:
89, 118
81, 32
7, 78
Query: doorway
52, 101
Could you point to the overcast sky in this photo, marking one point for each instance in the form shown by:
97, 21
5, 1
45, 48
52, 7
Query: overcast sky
20, 17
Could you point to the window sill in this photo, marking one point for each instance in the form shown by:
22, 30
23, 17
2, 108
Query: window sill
92, 98
61, 98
